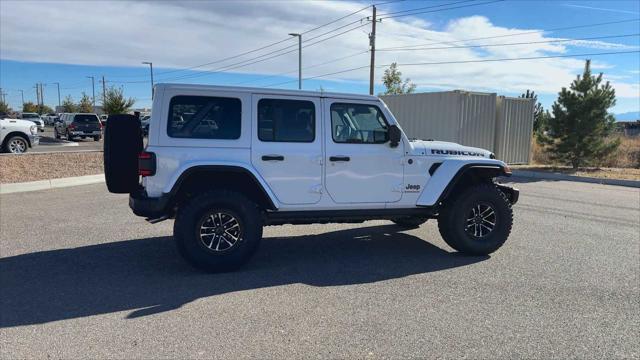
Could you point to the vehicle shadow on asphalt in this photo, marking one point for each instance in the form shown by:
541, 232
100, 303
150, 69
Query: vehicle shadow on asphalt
147, 276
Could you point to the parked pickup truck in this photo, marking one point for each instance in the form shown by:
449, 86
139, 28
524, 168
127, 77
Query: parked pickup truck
78, 125
226, 161
17, 136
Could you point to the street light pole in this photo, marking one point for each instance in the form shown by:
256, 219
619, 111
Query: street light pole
22, 96
93, 89
299, 36
151, 68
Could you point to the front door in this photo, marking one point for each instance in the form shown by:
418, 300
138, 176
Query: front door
286, 146
361, 167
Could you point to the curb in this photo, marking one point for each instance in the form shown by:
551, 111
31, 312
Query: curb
59, 144
51, 184
53, 151
591, 180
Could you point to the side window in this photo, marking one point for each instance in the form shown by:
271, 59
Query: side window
204, 117
358, 123
286, 120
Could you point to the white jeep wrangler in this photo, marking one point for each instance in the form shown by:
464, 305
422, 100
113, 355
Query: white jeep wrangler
225, 161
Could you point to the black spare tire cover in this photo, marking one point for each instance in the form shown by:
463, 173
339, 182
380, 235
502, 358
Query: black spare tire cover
122, 144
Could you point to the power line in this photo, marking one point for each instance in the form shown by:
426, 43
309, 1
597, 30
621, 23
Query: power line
431, 11
518, 34
511, 44
426, 7
462, 62
304, 68
251, 61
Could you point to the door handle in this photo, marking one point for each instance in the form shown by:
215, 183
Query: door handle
339, 158
272, 158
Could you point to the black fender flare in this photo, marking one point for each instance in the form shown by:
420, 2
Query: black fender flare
488, 171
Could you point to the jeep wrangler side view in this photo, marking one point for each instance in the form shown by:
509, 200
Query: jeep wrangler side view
226, 161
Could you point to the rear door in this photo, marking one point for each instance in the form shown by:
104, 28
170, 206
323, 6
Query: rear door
287, 146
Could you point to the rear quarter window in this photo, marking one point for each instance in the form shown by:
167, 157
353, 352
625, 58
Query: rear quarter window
204, 117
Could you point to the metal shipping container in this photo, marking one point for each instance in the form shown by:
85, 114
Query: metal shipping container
463, 117
502, 125
514, 128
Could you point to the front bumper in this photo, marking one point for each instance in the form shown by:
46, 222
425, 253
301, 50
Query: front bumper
34, 140
512, 194
149, 207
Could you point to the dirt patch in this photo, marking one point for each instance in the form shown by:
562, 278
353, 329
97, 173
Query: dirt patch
36, 166
602, 173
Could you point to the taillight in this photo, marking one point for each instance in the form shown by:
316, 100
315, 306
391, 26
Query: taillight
71, 127
146, 164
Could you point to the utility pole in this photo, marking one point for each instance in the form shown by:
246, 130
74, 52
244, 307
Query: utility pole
372, 44
22, 96
93, 89
151, 67
104, 92
299, 36
37, 93
58, 84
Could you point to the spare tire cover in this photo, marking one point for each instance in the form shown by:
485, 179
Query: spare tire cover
122, 144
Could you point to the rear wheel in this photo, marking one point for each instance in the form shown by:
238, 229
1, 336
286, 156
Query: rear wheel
410, 222
69, 137
96, 138
218, 231
477, 221
55, 133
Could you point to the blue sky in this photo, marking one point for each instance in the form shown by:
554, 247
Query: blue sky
113, 39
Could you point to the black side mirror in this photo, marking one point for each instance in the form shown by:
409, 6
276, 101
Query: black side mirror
394, 135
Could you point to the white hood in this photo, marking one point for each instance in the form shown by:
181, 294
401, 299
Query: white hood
443, 148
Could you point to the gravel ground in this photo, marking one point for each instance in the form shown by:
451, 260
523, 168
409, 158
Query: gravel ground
36, 166
603, 173
82, 277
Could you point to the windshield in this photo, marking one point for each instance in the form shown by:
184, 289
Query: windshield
30, 116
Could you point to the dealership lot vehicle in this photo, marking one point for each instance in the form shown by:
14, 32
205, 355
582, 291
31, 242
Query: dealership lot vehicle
225, 161
17, 136
33, 117
78, 125
565, 285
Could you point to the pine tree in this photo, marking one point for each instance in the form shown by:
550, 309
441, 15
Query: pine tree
538, 110
392, 80
115, 102
580, 124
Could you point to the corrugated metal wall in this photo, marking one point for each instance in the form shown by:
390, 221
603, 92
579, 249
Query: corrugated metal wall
468, 118
514, 127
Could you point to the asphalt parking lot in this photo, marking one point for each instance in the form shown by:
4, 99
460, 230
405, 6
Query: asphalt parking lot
83, 277
48, 143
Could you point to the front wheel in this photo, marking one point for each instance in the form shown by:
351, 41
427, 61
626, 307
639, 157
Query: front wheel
477, 221
16, 145
218, 231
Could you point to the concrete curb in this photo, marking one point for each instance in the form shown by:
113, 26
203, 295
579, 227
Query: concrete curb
51, 184
59, 144
555, 176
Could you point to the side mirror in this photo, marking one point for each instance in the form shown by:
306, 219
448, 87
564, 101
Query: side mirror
394, 135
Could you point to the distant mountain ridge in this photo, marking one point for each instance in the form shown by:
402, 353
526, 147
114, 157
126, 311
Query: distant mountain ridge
628, 116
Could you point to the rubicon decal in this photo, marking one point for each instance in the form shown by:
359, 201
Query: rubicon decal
456, 152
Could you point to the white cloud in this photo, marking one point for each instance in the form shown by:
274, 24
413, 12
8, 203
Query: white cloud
183, 33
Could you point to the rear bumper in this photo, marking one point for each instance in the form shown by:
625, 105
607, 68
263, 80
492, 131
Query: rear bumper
149, 207
512, 194
86, 133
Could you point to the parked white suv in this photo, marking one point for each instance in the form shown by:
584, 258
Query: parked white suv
35, 118
225, 161
17, 136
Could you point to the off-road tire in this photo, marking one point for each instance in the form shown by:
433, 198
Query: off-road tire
122, 144
187, 228
410, 222
452, 220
